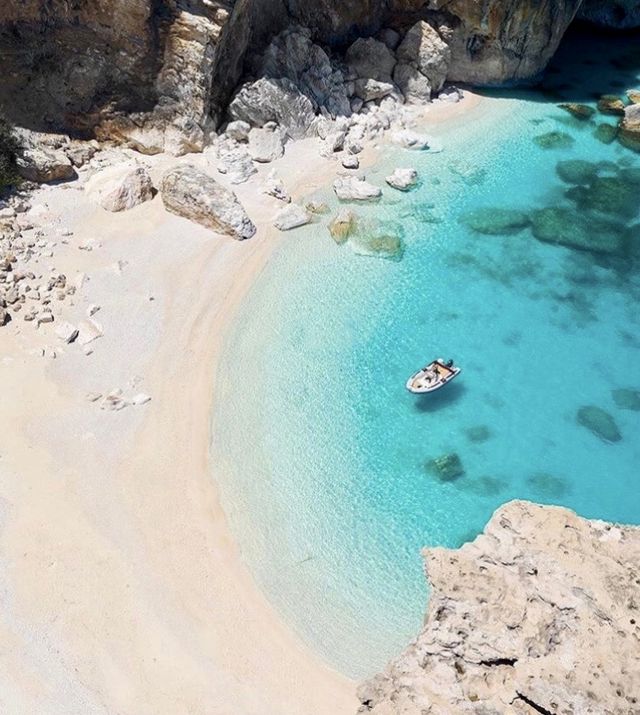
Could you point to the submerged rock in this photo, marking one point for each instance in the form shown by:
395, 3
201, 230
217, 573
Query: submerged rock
610, 195
611, 104
579, 111
600, 422
605, 133
189, 192
561, 225
627, 399
511, 616
485, 486
554, 140
377, 245
496, 221
577, 171
478, 434
343, 226
447, 467
548, 485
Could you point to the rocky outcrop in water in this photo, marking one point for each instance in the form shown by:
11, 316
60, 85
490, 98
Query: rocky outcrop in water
540, 614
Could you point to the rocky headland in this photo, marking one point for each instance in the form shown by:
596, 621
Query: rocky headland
538, 615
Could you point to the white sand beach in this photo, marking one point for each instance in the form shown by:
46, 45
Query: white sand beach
122, 590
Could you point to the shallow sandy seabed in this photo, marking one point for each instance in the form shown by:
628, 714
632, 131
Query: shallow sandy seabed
122, 590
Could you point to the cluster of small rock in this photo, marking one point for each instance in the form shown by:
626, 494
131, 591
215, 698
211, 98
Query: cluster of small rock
27, 289
301, 89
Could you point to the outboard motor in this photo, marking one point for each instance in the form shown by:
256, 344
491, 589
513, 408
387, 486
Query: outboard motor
449, 363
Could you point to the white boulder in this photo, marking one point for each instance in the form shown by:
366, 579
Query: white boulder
403, 179
291, 216
410, 140
188, 192
120, 187
352, 188
266, 143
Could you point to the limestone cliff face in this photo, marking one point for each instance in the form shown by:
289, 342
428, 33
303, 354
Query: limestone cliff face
159, 73
618, 14
540, 614
79, 64
498, 41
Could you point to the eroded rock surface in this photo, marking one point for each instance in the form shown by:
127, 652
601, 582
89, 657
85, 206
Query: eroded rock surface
538, 615
189, 192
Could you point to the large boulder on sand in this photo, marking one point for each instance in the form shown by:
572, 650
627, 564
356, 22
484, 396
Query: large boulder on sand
120, 187
567, 227
188, 192
44, 164
424, 49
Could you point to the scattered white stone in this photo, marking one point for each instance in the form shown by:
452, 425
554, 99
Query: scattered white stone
403, 179
88, 331
140, 399
92, 309
353, 188
291, 216
67, 332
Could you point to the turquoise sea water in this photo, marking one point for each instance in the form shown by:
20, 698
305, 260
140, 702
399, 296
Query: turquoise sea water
324, 451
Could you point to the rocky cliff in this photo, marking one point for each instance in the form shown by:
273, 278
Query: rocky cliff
540, 614
159, 73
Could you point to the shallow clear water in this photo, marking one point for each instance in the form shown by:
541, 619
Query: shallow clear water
325, 482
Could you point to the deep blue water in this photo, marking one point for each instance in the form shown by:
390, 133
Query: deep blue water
326, 478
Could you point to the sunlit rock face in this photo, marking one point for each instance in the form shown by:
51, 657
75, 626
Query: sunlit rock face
500, 41
619, 14
159, 74
78, 66
512, 617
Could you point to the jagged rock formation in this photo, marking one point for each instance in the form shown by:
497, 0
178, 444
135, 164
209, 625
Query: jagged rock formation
498, 41
159, 74
540, 614
619, 14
